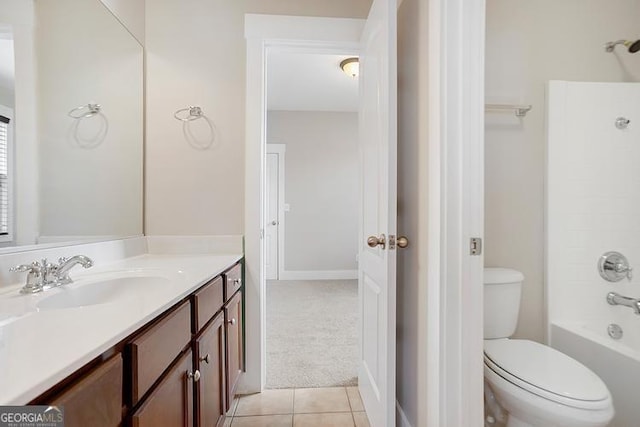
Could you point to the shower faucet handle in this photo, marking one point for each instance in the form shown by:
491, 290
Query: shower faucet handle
624, 269
613, 267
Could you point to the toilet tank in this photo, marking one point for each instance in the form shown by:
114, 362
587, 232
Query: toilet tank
502, 287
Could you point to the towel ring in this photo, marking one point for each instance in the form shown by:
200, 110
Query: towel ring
194, 113
85, 111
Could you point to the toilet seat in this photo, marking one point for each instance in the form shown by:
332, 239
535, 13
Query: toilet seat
546, 372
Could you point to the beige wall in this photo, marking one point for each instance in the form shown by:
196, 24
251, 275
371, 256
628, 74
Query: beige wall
529, 43
196, 56
412, 209
321, 188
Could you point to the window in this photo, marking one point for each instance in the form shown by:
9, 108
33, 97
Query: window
5, 178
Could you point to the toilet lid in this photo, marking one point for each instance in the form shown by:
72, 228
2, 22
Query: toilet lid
542, 367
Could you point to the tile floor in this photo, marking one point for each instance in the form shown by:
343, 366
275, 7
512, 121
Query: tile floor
300, 407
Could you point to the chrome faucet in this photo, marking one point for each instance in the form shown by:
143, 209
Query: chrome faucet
614, 298
61, 271
45, 275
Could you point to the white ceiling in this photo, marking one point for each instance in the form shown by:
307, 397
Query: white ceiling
7, 73
309, 82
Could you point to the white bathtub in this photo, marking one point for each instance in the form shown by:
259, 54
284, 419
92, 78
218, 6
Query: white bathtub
617, 362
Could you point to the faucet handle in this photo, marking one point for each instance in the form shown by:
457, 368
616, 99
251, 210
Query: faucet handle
34, 267
623, 268
35, 276
613, 267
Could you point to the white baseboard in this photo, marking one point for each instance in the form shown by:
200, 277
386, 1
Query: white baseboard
401, 417
319, 275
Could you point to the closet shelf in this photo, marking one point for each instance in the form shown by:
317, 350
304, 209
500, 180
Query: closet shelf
519, 110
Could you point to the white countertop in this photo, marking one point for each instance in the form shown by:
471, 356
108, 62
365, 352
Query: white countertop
39, 348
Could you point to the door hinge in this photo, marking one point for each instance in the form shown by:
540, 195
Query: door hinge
475, 246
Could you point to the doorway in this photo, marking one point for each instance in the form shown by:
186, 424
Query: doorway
311, 220
377, 222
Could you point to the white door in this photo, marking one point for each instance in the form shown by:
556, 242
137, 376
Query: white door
377, 265
272, 220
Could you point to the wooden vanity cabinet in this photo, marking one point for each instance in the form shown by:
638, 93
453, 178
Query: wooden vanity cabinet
207, 301
210, 360
234, 345
179, 370
94, 400
171, 402
232, 281
151, 352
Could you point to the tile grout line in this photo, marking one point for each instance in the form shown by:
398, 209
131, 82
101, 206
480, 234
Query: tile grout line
353, 418
293, 408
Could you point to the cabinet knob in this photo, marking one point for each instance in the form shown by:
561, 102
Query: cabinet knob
206, 359
237, 281
232, 321
195, 376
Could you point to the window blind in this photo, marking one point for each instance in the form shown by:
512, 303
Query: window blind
4, 175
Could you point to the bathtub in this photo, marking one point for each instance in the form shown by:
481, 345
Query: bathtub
617, 362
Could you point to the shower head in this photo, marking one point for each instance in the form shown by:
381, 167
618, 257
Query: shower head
632, 45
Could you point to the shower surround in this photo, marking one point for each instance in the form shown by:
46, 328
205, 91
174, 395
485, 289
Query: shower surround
593, 206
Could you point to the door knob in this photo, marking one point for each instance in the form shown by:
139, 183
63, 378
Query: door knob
402, 242
374, 241
274, 222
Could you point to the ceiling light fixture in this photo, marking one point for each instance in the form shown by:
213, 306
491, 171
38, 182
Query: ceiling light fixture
351, 66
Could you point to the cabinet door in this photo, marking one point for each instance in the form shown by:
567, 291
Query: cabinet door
211, 391
95, 400
233, 334
171, 403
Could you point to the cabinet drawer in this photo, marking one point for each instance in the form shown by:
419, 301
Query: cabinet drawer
171, 403
154, 350
233, 281
207, 302
95, 400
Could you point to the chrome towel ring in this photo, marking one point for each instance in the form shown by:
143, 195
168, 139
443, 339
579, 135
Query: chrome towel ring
190, 114
194, 113
85, 111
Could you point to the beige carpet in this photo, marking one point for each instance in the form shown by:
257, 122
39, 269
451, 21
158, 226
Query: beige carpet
312, 333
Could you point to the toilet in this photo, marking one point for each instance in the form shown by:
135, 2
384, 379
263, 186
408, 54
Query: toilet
528, 384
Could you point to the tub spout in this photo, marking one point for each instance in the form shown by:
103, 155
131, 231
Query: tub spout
614, 298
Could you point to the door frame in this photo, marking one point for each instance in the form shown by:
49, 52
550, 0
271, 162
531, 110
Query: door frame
455, 207
263, 34
453, 381
280, 150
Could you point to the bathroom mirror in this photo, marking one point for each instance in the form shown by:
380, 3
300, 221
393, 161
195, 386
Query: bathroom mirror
74, 164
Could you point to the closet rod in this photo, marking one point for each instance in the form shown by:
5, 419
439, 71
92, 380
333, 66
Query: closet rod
519, 110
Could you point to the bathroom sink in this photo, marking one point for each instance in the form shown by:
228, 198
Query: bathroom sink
101, 292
